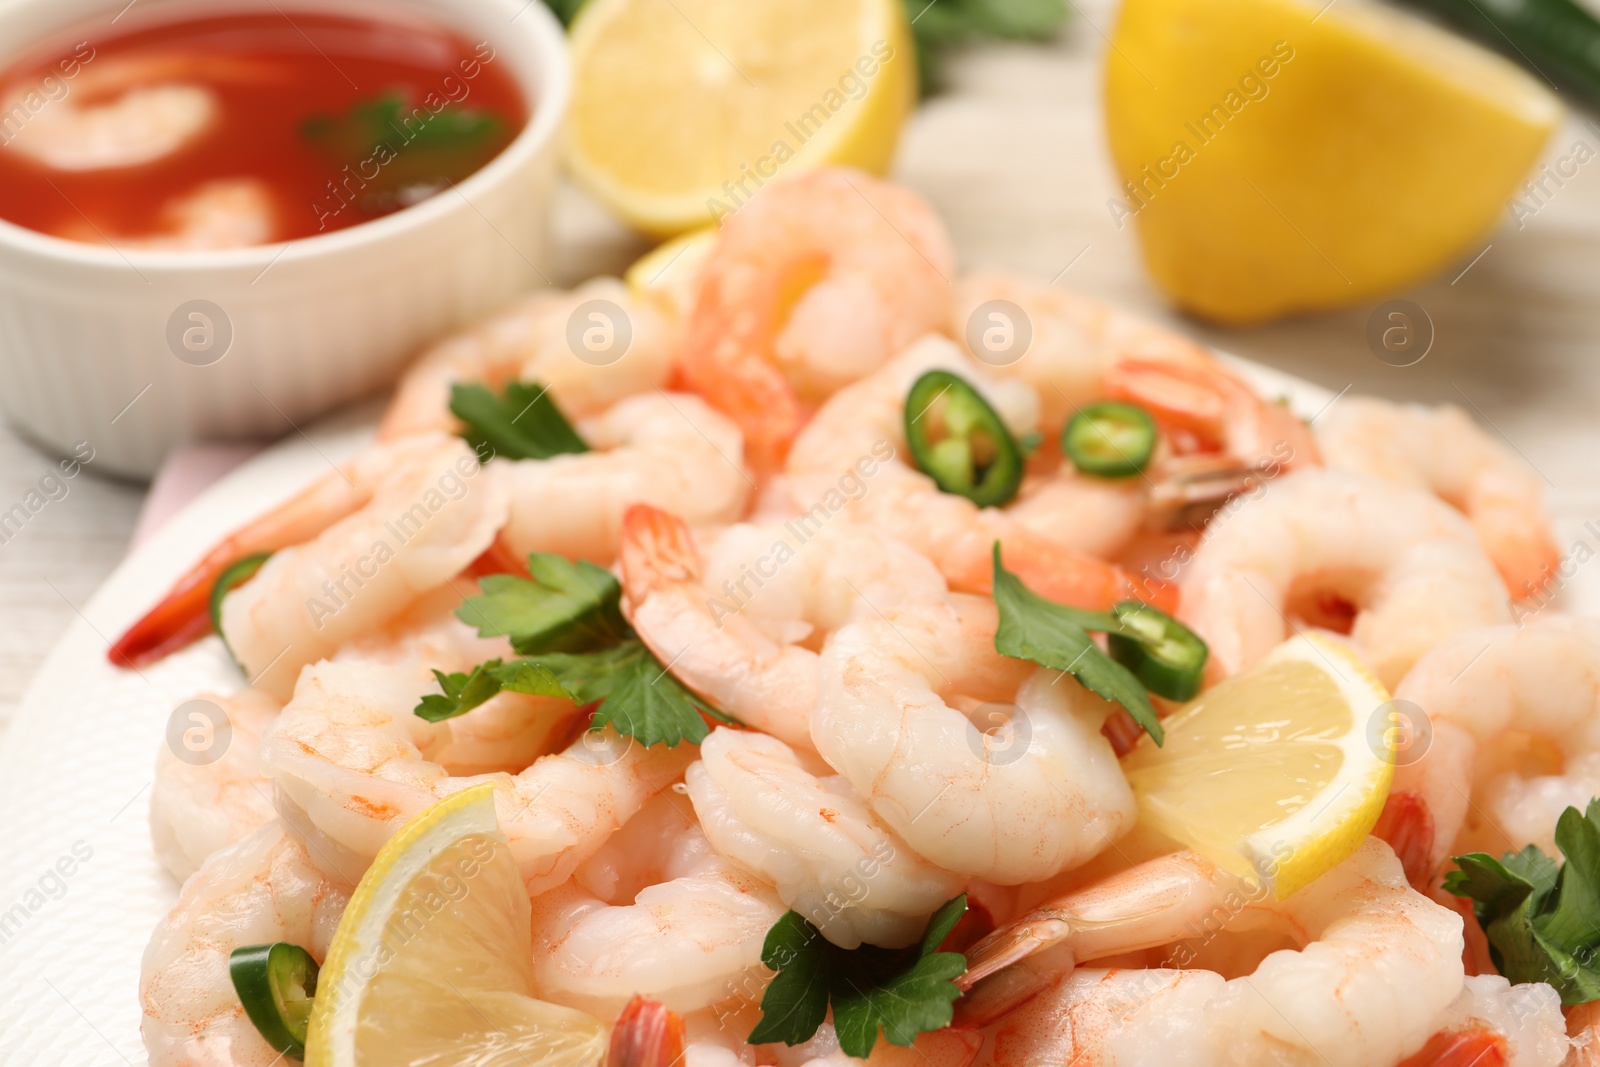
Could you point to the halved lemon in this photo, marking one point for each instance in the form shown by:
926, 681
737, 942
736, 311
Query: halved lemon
1280, 156
1278, 773
683, 109
430, 963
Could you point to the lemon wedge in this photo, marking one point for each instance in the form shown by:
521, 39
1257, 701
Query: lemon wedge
683, 109
1289, 155
431, 964
1276, 773
669, 274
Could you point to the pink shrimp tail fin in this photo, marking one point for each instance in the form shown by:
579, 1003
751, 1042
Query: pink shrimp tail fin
1406, 823
1476, 1047
646, 1034
1074, 578
657, 550
1216, 410
934, 1048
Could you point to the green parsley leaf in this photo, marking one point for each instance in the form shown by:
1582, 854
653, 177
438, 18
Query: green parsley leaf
524, 423
564, 607
636, 694
903, 992
404, 150
1056, 636
1542, 920
565, 10
462, 692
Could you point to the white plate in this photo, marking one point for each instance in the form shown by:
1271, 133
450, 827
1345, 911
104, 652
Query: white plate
75, 772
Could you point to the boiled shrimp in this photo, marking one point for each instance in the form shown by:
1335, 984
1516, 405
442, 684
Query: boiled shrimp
1442, 450
817, 281
741, 624
829, 856
140, 109
1040, 793
677, 922
430, 514
665, 449
221, 214
858, 438
1500, 703
265, 888
533, 341
1401, 569
352, 763
339, 520
198, 807
1377, 969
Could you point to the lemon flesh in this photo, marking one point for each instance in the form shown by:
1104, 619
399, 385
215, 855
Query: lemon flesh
1279, 155
430, 965
1274, 773
683, 109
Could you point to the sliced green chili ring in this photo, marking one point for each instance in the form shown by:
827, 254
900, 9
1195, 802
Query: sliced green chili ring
1165, 655
1110, 440
959, 441
276, 984
233, 575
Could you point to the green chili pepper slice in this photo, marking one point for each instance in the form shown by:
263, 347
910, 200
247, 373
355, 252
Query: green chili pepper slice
1167, 657
233, 575
959, 441
276, 984
1110, 440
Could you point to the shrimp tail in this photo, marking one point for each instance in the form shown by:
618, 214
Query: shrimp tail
646, 1034
1476, 1047
1406, 823
1076, 578
657, 550
1010, 945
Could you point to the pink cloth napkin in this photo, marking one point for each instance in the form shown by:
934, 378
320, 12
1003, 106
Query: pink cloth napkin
187, 472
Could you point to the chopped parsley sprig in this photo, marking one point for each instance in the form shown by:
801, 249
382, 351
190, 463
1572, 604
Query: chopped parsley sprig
523, 422
1148, 647
903, 991
566, 621
1542, 919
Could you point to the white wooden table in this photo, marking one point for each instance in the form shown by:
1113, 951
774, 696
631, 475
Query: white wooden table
1013, 156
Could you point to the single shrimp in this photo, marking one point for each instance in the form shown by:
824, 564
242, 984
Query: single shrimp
1080, 350
678, 923
1376, 969
541, 339
665, 449
814, 283
351, 763
1442, 450
1480, 692
829, 856
896, 718
345, 506
127, 111
858, 437
1402, 570
741, 625
263, 889
434, 512
200, 805
220, 214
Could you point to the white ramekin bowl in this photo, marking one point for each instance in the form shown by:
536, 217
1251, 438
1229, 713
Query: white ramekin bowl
104, 346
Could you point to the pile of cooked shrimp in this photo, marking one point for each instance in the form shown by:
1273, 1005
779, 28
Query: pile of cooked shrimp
798, 472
